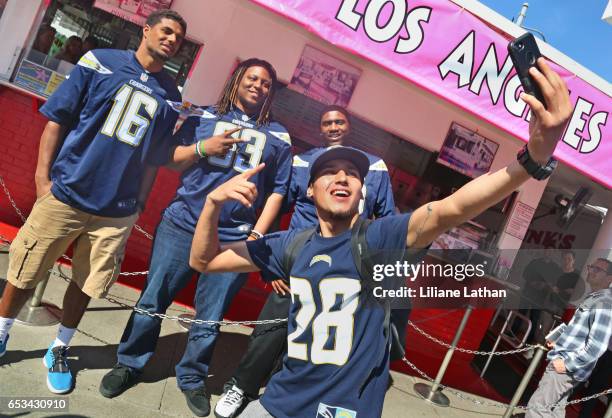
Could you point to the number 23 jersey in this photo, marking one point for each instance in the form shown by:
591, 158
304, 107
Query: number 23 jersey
119, 117
268, 144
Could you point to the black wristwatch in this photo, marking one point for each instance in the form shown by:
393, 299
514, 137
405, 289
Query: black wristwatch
535, 170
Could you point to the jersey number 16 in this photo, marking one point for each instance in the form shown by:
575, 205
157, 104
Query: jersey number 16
124, 121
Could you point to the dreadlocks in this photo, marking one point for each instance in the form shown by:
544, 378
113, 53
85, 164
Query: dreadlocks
230, 91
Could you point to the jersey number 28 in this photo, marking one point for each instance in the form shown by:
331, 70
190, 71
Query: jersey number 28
324, 350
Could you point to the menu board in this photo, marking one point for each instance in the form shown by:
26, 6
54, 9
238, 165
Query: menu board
38, 79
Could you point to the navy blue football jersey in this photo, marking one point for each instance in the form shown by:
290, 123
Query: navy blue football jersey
337, 360
377, 191
267, 144
119, 117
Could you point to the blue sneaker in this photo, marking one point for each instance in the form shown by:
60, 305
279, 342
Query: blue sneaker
3, 345
59, 378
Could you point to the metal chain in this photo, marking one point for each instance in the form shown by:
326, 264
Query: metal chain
142, 231
10, 198
467, 351
499, 404
176, 318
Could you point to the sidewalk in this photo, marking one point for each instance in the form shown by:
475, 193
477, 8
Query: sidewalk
93, 353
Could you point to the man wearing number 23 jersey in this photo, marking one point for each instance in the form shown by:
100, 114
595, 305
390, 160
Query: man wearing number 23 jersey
109, 127
242, 136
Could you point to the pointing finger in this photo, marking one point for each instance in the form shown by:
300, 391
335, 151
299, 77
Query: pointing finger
252, 171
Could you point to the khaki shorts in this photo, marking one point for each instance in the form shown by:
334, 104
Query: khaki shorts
99, 246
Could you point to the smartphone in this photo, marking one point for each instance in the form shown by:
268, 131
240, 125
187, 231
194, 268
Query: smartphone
524, 53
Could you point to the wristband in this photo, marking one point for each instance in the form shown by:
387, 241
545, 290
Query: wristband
200, 147
256, 234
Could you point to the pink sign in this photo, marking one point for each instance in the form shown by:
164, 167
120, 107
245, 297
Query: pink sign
453, 54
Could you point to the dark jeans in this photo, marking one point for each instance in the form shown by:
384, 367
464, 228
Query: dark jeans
268, 344
169, 272
598, 382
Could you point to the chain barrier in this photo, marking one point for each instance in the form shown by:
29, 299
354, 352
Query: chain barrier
11, 201
283, 320
467, 351
140, 311
477, 401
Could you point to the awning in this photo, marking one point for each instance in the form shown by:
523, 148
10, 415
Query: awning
453, 54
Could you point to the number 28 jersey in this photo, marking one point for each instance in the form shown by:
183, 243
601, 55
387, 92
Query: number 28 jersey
268, 144
119, 117
337, 360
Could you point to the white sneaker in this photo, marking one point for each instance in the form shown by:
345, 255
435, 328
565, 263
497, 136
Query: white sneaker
229, 403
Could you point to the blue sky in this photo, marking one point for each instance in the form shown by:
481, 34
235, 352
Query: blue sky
574, 27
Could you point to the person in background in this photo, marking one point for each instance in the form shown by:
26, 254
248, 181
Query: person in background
566, 283
575, 352
71, 51
539, 275
109, 128
44, 39
243, 110
89, 43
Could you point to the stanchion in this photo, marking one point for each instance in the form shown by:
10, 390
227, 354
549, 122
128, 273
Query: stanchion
609, 410
535, 361
37, 313
432, 393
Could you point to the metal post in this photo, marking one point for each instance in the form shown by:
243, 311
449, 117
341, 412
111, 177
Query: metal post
523, 13
37, 313
535, 361
432, 393
486, 366
609, 410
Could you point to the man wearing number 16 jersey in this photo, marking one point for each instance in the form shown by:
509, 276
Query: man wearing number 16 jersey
243, 111
109, 126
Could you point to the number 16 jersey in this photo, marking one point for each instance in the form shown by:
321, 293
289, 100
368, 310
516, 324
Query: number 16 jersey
119, 117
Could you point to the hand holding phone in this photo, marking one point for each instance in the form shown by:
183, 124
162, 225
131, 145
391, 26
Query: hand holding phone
524, 53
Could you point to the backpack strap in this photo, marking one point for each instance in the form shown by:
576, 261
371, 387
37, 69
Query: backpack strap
365, 268
294, 247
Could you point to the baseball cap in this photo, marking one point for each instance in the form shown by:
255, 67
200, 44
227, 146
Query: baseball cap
340, 152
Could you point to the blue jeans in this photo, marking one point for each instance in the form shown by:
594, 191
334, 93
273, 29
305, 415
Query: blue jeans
169, 272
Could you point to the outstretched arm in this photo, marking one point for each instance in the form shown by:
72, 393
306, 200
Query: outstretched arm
207, 255
545, 129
